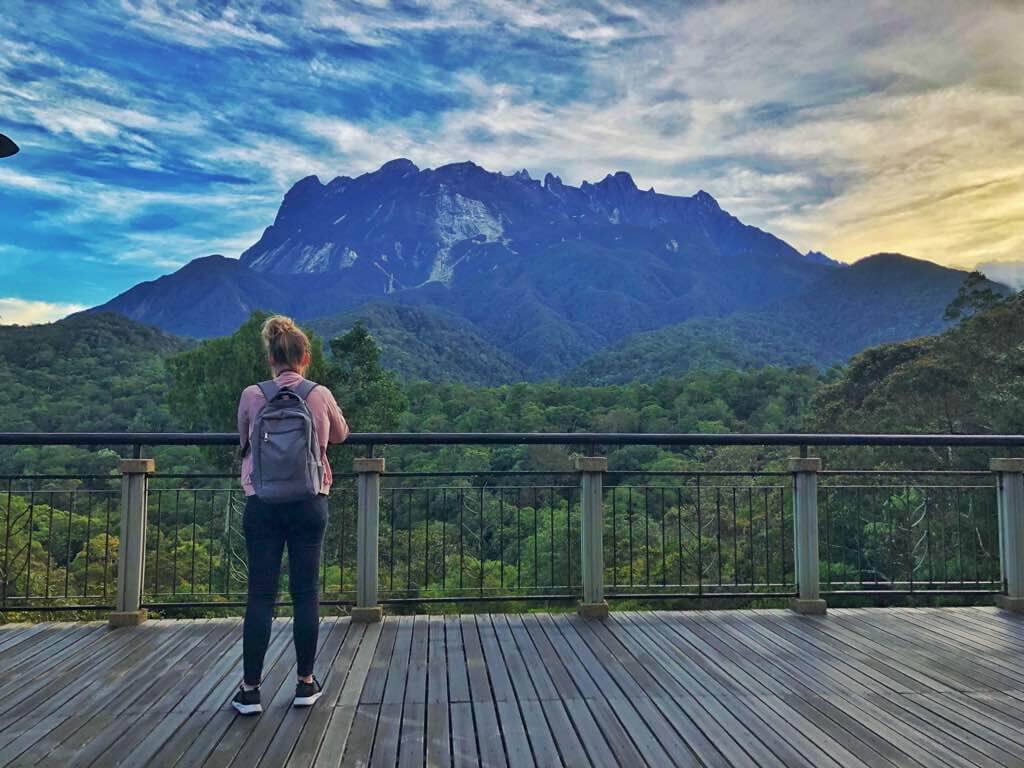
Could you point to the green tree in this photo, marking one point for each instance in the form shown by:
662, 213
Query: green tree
206, 381
369, 393
975, 295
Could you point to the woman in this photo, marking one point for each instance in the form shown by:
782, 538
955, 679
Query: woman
269, 527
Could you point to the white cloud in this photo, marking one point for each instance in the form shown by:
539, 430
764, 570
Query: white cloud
25, 312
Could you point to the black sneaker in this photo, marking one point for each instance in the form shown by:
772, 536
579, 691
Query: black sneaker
247, 702
306, 694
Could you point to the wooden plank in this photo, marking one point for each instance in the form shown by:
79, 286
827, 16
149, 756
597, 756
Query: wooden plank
476, 665
29, 738
279, 711
182, 739
412, 744
464, 744
278, 677
619, 689
563, 662
438, 747
914, 655
360, 740
296, 719
962, 744
49, 741
389, 723
513, 729
458, 673
309, 740
542, 741
377, 677
548, 675
735, 737
339, 727
769, 699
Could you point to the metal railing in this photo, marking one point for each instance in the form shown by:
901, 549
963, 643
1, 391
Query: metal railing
909, 531
516, 535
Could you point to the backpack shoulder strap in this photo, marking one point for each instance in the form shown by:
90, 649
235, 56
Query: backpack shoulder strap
304, 388
269, 389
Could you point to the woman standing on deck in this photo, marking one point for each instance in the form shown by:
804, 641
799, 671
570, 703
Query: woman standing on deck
286, 478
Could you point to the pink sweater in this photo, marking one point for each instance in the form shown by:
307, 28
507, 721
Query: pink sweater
327, 420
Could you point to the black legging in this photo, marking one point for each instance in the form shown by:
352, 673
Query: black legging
268, 527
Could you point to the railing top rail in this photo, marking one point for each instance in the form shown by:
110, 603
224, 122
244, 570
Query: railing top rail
527, 438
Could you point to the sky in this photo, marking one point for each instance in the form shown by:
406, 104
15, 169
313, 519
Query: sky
156, 132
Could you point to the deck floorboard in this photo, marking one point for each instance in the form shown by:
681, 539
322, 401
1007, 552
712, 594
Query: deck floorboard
918, 687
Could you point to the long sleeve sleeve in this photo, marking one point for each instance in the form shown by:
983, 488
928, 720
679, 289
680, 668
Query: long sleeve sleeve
339, 427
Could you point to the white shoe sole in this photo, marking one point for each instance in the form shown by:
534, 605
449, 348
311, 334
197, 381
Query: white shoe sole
247, 709
307, 701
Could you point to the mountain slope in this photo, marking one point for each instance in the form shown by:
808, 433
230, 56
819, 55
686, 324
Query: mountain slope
97, 372
883, 298
427, 345
546, 271
968, 379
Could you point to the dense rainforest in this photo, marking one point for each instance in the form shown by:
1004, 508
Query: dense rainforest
480, 532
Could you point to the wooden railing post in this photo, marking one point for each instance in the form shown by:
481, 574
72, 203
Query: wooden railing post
592, 470
368, 472
1010, 496
131, 549
805, 535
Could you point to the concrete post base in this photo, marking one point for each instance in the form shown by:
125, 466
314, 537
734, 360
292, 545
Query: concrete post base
808, 607
593, 610
127, 618
367, 615
1015, 604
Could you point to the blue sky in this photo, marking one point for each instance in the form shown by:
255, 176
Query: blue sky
156, 132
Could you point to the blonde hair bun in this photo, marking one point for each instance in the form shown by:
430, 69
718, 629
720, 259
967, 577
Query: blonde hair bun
286, 344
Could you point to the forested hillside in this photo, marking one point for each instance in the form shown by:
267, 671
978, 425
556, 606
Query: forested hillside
421, 344
883, 298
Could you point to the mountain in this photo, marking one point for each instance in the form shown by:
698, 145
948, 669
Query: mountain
94, 372
546, 271
883, 298
968, 379
426, 345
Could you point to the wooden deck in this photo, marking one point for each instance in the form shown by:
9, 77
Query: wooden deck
879, 687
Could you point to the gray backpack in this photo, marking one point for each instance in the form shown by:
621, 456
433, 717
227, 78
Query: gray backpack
286, 462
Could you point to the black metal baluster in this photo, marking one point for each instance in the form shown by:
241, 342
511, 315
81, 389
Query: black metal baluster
629, 518
67, 557
480, 508
750, 535
536, 550
177, 534
159, 533
828, 535
462, 545
679, 533
551, 536
195, 511
7, 543
106, 549
49, 546
209, 565
88, 533
615, 545
664, 565
426, 540
718, 532
647, 535
391, 550
408, 554
700, 542
28, 550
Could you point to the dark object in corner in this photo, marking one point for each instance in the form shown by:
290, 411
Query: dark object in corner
7, 147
